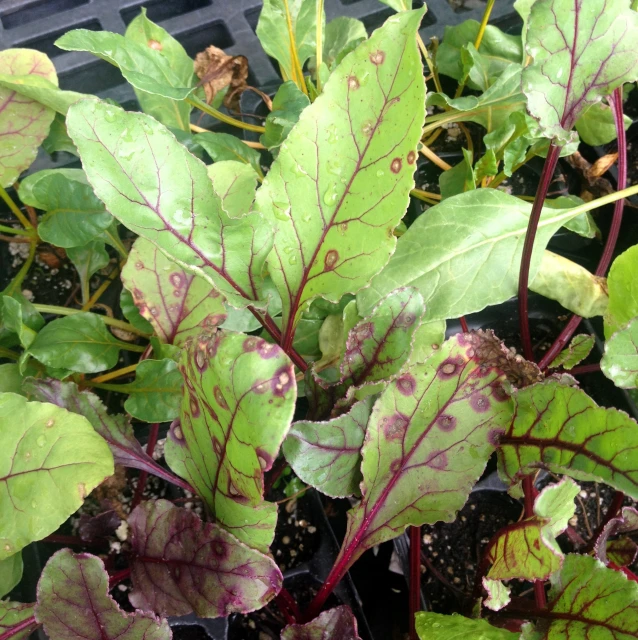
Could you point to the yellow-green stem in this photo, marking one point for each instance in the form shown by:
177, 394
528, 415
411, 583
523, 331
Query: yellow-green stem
17, 232
430, 63
211, 111
426, 196
319, 53
7, 353
607, 199
111, 375
15, 209
500, 177
16, 283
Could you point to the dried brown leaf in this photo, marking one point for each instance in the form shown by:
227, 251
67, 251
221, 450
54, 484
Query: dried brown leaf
217, 70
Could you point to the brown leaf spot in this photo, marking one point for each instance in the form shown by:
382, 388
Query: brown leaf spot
176, 432
265, 459
50, 423
364, 331
395, 426
217, 446
200, 357
449, 368
353, 83
494, 436
220, 549
260, 387
177, 280
411, 157
282, 381
250, 344
395, 165
139, 265
82, 490
330, 260
213, 320
267, 350
194, 406
367, 129
405, 320
438, 460
395, 465
479, 402
154, 44
446, 422
235, 493
377, 57
406, 384
217, 70
219, 397
498, 393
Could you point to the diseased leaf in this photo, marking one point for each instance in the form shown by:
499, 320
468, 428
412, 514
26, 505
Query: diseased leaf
360, 169
428, 440
223, 146
157, 189
131, 312
475, 237
436, 626
596, 126
341, 36
13, 613
10, 576
287, 105
498, 594
238, 403
88, 259
575, 437
581, 53
622, 286
579, 348
334, 623
24, 123
620, 360
87, 610
327, 455
52, 460
178, 304
201, 567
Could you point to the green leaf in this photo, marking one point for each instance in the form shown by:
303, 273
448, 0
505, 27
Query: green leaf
622, 552
12, 321
223, 146
52, 461
177, 304
498, 594
75, 216
596, 126
428, 338
88, 259
347, 237
459, 178
338, 622
622, 287
80, 342
169, 112
287, 106
576, 437
38, 89
327, 455
487, 165
234, 184
341, 36
130, 310
237, 407
579, 348
464, 254
157, 189
436, 626
30, 317
580, 54
578, 290
58, 138
144, 67
620, 360
10, 576
476, 67
428, 440
83, 579
10, 379
24, 123
584, 224
13, 613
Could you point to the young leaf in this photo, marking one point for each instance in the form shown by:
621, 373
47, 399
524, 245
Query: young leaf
498, 594
459, 178
620, 360
575, 437
622, 285
157, 189
581, 53
237, 407
24, 123
428, 440
83, 580
80, 342
341, 36
178, 304
14, 613
347, 236
10, 574
589, 600
436, 626
626, 522
115, 429
334, 623
53, 460
88, 259
327, 455
287, 106
12, 321
201, 567
444, 256
579, 348
596, 126
223, 146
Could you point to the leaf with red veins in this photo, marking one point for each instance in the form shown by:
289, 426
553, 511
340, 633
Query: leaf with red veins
582, 50
181, 564
14, 616
74, 602
341, 182
24, 123
177, 303
561, 429
239, 399
156, 188
332, 624
626, 522
622, 552
115, 429
429, 437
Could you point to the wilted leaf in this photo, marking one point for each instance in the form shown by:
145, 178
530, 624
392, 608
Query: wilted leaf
287, 105
201, 567
237, 406
12, 614
10, 575
578, 349
329, 625
223, 146
620, 360
24, 123
575, 437
52, 460
217, 70
87, 610
436, 626
622, 286
498, 594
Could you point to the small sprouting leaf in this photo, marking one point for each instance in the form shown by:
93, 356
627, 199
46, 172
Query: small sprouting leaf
238, 403
334, 623
201, 567
581, 53
87, 610
498, 594
10, 574
12, 614
223, 146
88, 259
156, 188
626, 522
341, 36
422, 456
24, 123
589, 600
596, 126
80, 342
327, 455
578, 290
52, 461
74, 215
443, 256
178, 304
620, 360
361, 170
578, 349
459, 178
436, 626
622, 285
115, 429
575, 437
287, 105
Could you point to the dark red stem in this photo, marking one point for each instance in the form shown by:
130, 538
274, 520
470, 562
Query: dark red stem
584, 368
415, 578
464, 324
118, 576
72, 540
274, 474
143, 477
612, 512
17, 628
288, 606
